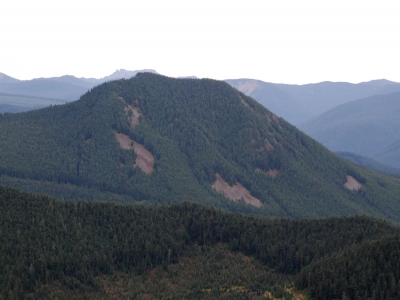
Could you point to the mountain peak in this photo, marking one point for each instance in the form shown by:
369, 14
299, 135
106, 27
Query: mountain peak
7, 79
122, 73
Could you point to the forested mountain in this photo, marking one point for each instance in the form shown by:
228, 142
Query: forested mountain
366, 126
299, 103
90, 250
24, 95
155, 139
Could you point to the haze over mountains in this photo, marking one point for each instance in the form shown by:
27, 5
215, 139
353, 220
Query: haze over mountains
23, 95
299, 103
369, 127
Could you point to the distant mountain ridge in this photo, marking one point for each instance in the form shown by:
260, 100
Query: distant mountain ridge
7, 79
295, 103
389, 154
122, 73
369, 163
299, 103
368, 126
61, 89
272, 97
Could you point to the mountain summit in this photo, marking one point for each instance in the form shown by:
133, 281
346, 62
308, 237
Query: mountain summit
122, 73
7, 79
163, 140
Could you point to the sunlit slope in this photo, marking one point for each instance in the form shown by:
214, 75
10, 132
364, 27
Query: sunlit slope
164, 140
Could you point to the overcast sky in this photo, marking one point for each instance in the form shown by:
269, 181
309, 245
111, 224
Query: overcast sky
275, 41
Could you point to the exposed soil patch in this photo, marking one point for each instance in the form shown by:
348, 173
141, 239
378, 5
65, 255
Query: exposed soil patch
352, 183
235, 193
296, 295
124, 141
273, 173
247, 87
267, 147
144, 159
244, 102
133, 115
275, 118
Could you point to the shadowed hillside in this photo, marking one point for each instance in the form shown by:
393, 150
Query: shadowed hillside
79, 250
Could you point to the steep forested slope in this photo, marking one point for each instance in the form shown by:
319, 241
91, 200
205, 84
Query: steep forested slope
163, 140
52, 249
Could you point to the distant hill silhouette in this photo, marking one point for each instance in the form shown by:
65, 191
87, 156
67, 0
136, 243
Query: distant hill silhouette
122, 73
369, 163
272, 97
7, 79
299, 103
25, 95
389, 154
368, 127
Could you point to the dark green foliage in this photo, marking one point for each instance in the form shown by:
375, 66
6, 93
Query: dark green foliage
44, 242
369, 270
194, 129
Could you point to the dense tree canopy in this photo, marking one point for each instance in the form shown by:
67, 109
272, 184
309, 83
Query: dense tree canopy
45, 242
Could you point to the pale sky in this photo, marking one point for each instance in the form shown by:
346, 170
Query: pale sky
276, 41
